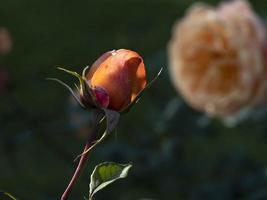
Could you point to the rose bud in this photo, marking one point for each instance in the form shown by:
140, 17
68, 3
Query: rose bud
110, 87
121, 74
217, 60
114, 82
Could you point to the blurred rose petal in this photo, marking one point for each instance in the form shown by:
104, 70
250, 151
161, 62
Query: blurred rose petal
217, 60
5, 41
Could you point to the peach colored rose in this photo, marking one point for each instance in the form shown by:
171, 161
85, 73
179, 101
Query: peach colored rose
217, 59
117, 76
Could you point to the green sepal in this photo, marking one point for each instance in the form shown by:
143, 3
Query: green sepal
138, 96
85, 88
69, 88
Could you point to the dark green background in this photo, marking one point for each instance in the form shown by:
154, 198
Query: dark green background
174, 155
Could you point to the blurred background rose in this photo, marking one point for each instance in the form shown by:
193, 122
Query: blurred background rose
5, 47
177, 153
5, 41
217, 58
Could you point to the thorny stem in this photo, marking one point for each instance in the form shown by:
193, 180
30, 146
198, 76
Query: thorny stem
83, 158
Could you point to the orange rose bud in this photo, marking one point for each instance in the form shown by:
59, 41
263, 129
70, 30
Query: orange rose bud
118, 77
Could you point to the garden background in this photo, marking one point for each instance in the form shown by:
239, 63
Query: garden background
176, 152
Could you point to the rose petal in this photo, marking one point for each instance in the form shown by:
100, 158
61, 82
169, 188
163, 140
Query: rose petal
101, 97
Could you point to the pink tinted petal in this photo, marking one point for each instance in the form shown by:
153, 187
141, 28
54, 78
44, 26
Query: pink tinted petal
101, 96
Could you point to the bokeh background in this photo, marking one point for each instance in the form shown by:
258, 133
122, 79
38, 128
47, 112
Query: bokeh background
176, 152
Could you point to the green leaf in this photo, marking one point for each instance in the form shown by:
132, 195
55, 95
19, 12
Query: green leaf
6, 196
105, 174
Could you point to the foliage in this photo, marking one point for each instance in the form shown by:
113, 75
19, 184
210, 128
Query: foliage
105, 174
6, 196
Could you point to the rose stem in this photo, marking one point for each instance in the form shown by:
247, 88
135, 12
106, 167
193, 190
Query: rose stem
82, 161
